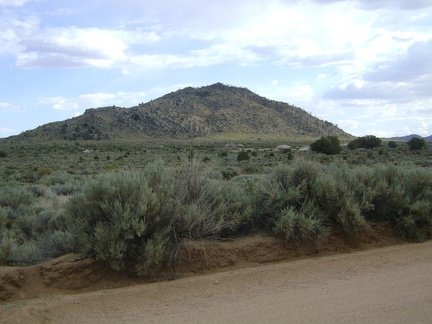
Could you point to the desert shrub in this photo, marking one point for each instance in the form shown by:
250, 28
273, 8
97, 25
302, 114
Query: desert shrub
248, 182
4, 244
416, 143
389, 197
40, 190
328, 145
407, 225
27, 252
272, 196
297, 226
419, 216
55, 244
349, 217
29, 176
417, 211
23, 229
399, 194
57, 220
203, 205
285, 186
229, 172
243, 156
44, 171
389, 201
67, 188
223, 154
327, 192
238, 208
392, 144
337, 200
250, 168
2, 154
304, 175
418, 182
123, 218
367, 142
5, 248
56, 177
15, 197
136, 217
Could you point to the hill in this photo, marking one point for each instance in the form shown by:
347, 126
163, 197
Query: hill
188, 113
408, 137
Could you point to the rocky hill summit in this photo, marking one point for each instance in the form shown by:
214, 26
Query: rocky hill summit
190, 113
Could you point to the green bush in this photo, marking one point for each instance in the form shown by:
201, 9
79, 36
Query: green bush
392, 144
329, 145
287, 185
135, 218
15, 197
44, 171
367, 142
292, 225
205, 209
28, 220
223, 154
55, 244
243, 156
66, 188
337, 200
4, 244
416, 143
238, 210
124, 219
398, 194
229, 172
27, 252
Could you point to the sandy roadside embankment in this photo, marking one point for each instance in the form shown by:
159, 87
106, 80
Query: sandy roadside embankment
392, 284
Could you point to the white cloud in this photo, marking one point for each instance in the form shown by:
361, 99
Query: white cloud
5, 106
12, 30
380, 117
300, 92
249, 32
407, 77
13, 3
379, 4
415, 64
424, 128
95, 100
419, 128
81, 47
72, 47
80, 102
8, 107
4, 131
213, 55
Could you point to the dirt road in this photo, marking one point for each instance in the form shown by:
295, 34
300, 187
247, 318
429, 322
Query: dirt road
392, 284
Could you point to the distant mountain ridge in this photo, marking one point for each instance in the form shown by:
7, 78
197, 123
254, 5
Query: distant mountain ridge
189, 113
408, 137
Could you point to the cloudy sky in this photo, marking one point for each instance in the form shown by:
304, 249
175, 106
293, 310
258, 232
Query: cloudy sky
365, 65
